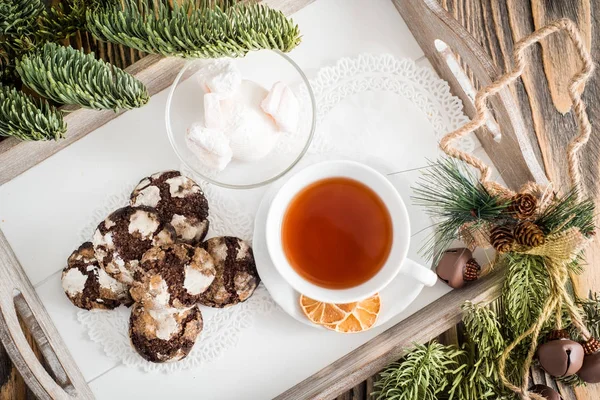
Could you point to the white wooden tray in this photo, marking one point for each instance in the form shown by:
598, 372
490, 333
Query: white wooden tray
43, 210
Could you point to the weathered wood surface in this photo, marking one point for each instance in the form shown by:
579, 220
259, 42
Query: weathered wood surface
542, 93
12, 385
60, 378
439, 35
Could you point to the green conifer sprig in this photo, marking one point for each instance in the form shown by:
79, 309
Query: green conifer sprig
568, 212
26, 118
485, 343
18, 17
69, 76
453, 195
62, 21
191, 29
525, 291
591, 312
422, 374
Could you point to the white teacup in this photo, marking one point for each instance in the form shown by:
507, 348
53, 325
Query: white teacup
397, 262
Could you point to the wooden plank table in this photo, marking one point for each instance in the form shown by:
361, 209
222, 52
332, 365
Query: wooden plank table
496, 26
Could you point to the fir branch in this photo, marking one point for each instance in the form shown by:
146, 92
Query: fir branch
191, 29
62, 21
422, 374
18, 17
567, 212
453, 195
18, 24
69, 76
23, 117
484, 346
525, 291
483, 327
591, 312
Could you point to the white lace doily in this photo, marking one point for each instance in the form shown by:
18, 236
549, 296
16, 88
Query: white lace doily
357, 103
222, 327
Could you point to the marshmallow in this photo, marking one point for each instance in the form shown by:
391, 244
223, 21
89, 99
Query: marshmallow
252, 133
220, 76
211, 146
283, 106
213, 117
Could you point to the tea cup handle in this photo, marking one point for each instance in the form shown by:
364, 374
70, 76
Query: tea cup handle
419, 272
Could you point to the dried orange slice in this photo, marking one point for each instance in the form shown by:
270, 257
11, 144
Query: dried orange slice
345, 318
361, 317
321, 313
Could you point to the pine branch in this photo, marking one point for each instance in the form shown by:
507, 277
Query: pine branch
69, 76
21, 116
18, 17
422, 374
567, 212
525, 291
453, 195
192, 30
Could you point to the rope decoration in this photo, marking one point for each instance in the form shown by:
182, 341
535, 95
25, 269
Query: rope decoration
560, 249
577, 82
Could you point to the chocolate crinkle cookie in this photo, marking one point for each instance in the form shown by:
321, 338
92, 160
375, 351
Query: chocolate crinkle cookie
236, 276
164, 335
88, 286
174, 276
179, 201
124, 236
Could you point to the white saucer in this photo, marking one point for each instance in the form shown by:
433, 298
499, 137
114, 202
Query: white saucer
394, 298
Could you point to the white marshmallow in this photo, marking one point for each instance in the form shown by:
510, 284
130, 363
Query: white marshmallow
281, 104
220, 76
252, 133
211, 146
213, 117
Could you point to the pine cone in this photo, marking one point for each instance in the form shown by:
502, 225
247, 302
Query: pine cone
523, 205
501, 238
471, 271
529, 234
591, 346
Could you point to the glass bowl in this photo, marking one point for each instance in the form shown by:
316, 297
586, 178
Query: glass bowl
185, 105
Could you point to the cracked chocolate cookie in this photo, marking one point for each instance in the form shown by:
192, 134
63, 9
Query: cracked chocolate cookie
173, 276
179, 201
124, 236
164, 335
236, 276
88, 286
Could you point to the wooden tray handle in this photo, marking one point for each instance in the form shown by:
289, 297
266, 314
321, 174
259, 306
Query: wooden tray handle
514, 152
18, 298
